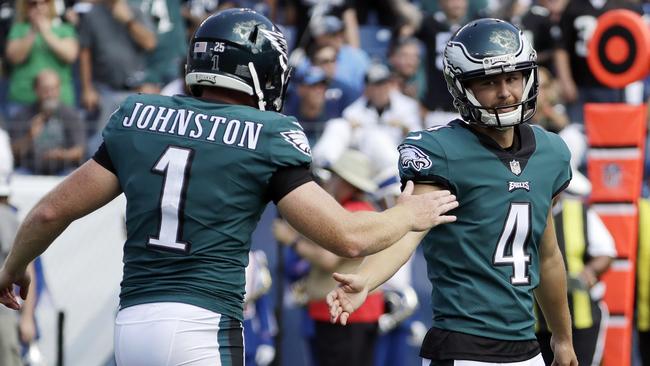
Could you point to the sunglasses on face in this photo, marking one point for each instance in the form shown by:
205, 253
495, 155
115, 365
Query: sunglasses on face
324, 61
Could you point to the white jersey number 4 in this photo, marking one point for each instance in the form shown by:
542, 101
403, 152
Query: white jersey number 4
511, 247
174, 165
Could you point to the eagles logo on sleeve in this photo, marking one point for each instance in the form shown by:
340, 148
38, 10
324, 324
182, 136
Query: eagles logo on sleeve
298, 139
411, 155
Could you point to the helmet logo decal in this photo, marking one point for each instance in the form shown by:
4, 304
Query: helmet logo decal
411, 155
298, 139
277, 41
506, 39
515, 168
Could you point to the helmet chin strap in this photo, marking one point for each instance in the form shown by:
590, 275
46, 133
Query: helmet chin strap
261, 104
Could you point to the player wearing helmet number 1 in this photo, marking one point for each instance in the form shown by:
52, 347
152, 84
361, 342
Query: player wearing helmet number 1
501, 253
197, 173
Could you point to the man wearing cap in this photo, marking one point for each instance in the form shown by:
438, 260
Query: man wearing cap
333, 344
309, 104
351, 62
374, 124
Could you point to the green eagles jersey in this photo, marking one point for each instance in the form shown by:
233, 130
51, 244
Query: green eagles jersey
484, 266
196, 176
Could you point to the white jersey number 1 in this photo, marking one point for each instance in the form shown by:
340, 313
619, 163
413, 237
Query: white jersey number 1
174, 165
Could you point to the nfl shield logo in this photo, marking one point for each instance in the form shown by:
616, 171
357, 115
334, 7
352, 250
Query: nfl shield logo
515, 167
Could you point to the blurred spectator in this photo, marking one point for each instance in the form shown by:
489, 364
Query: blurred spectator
6, 17
434, 31
383, 106
303, 13
550, 114
115, 38
334, 344
541, 26
171, 36
13, 329
259, 322
196, 11
337, 89
374, 124
38, 40
404, 57
578, 84
389, 13
475, 8
351, 62
49, 137
589, 249
309, 104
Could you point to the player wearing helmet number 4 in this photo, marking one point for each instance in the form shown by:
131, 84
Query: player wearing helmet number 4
197, 173
486, 267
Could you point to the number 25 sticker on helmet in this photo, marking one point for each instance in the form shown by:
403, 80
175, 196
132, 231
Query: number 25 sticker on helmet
619, 50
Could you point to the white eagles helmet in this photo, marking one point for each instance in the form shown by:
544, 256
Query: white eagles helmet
486, 47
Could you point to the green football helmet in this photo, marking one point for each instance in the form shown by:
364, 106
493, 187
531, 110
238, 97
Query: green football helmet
487, 47
241, 50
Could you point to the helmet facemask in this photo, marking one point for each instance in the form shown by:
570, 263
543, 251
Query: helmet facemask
524, 109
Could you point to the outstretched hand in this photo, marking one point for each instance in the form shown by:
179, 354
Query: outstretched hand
7, 281
427, 209
346, 298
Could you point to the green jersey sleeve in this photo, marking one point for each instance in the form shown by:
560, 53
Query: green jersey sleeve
288, 143
423, 160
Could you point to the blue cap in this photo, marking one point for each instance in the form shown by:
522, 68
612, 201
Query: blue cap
311, 76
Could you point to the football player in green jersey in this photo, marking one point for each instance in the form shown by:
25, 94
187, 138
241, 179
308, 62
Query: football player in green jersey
502, 251
197, 173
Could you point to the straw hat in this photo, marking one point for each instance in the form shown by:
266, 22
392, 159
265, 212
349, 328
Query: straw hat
355, 168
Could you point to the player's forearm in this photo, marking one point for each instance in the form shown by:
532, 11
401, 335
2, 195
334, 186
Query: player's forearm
29, 306
551, 296
35, 234
371, 232
381, 266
